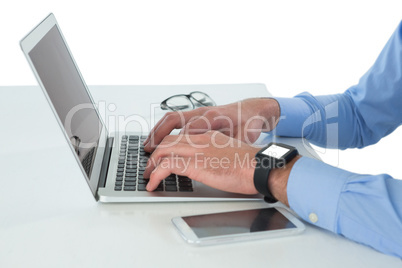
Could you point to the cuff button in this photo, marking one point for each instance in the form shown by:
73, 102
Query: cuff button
313, 217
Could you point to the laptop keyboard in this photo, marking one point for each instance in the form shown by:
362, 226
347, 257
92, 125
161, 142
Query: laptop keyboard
87, 161
131, 166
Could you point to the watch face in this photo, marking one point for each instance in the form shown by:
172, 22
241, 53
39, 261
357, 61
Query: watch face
276, 151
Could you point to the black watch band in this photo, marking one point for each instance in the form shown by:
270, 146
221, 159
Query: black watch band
260, 184
275, 155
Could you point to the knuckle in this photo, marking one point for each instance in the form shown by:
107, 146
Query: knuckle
194, 127
211, 114
170, 116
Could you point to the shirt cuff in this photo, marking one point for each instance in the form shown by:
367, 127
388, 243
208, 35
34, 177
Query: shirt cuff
294, 113
313, 191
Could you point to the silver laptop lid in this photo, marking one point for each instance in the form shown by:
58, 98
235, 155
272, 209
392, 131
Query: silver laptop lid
68, 95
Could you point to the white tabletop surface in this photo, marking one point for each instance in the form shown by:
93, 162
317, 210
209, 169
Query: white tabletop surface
50, 219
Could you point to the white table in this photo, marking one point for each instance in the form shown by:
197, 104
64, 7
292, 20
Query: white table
50, 219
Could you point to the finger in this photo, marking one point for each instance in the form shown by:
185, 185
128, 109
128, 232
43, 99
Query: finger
179, 148
169, 165
156, 126
169, 122
172, 120
158, 174
172, 117
208, 121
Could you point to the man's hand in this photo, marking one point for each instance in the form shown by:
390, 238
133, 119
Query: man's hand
212, 158
216, 160
241, 120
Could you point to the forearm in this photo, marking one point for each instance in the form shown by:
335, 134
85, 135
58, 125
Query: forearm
278, 181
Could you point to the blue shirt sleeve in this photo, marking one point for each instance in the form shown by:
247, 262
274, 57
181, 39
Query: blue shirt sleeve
364, 208
360, 116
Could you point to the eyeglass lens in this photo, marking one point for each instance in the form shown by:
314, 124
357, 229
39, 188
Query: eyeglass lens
187, 102
180, 102
202, 99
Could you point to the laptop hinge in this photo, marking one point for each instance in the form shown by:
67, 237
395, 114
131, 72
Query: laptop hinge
105, 162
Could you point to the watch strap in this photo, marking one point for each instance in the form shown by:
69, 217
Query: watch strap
261, 175
265, 164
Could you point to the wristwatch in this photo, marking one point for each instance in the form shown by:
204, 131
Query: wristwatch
275, 155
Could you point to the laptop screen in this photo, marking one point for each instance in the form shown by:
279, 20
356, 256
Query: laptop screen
67, 91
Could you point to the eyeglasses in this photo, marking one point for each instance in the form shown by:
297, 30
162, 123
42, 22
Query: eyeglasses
186, 102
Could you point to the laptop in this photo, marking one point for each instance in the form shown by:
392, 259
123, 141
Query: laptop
112, 163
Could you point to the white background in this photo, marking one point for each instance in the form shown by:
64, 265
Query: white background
291, 46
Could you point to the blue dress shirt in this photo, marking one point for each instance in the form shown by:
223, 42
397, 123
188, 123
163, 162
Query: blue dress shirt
364, 208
